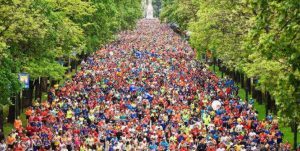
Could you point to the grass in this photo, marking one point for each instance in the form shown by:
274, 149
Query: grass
44, 96
261, 108
288, 134
7, 127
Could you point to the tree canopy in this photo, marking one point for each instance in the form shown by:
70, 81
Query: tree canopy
36, 34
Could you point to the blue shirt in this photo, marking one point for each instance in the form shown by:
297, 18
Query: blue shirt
165, 144
153, 146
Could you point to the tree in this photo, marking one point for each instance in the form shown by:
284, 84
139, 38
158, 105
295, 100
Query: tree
222, 26
274, 41
180, 11
9, 83
128, 15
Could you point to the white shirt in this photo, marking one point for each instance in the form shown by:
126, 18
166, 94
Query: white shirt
3, 146
252, 134
220, 149
239, 128
224, 139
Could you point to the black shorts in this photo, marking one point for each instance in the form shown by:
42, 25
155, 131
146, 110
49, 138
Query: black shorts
69, 147
94, 147
53, 146
36, 147
47, 147
10, 146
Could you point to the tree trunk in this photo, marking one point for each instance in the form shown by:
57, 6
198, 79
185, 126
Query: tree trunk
273, 103
74, 64
226, 71
267, 103
242, 80
231, 73
254, 94
53, 82
11, 112
214, 63
1, 118
235, 78
295, 130
222, 71
69, 65
238, 76
30, 93
38, 92
20, 103
234, 75
270, 102
249, 85
252, 87
259, 96
44, 84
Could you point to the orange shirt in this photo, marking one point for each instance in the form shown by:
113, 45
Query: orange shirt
10, 140
159, 133
18, 124
28, 112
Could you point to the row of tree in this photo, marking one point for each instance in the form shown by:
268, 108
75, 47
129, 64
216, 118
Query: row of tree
260, 39
40, 37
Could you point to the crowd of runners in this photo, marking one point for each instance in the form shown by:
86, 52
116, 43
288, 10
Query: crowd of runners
145, 91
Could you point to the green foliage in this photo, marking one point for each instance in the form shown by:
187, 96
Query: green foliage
101, 24
9, 83
221, 27
179, 11
35, 34
45, 68
274, 43
128, 15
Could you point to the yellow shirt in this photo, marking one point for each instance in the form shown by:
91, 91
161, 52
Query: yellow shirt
69, 114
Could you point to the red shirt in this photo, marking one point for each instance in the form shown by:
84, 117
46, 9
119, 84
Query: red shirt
183, 149
195, 132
